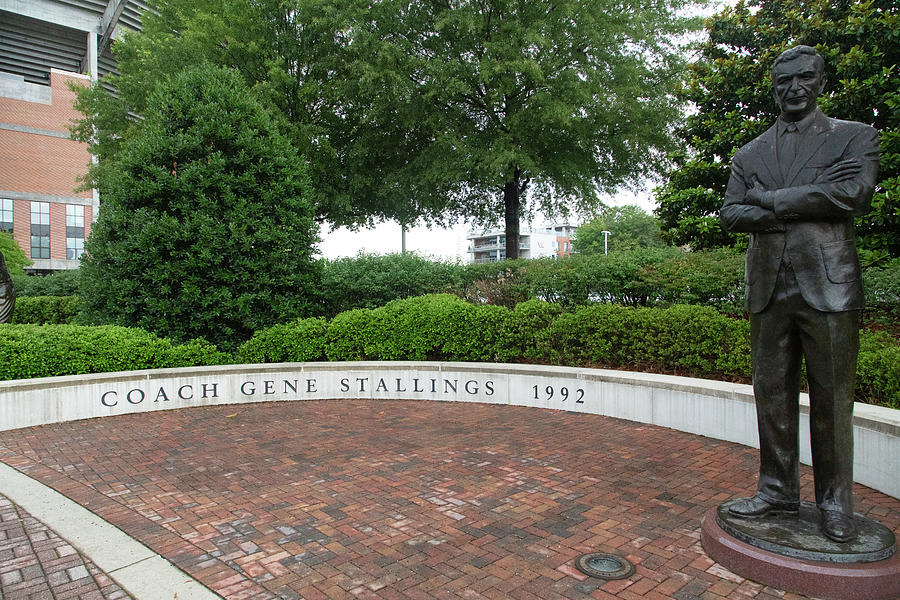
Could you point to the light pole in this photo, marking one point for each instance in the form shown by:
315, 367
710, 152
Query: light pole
606, 235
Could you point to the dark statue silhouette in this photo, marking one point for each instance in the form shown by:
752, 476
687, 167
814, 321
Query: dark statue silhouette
796, 189
7, 293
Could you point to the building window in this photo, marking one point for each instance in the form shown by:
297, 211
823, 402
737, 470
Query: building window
6, 215
74, 231
40, 230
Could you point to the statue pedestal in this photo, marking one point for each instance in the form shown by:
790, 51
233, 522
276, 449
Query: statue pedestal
790, 553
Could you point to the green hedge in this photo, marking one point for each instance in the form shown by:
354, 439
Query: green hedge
300, 341
882, 289
434, 327
28, 351
878, 370
58, 283
688, 340
38, 310
640, 277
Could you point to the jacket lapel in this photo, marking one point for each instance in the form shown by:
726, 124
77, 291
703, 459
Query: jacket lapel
766, 153
810, 143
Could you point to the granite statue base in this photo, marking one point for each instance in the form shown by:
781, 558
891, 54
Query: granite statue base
790, 553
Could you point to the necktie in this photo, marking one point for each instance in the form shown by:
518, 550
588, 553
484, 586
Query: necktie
789, 142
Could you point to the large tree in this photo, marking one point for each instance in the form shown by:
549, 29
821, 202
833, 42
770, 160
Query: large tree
730, 87
206, 228
432, 110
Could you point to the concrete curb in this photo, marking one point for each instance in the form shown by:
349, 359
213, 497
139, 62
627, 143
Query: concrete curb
137, 569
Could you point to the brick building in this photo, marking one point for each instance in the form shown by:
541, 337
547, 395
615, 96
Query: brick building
45, 46
39, 171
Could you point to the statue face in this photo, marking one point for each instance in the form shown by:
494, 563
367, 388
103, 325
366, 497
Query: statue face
796, 84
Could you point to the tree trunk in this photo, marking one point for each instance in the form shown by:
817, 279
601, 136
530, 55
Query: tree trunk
511, 191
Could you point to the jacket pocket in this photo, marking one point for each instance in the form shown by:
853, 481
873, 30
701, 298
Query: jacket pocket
841, 263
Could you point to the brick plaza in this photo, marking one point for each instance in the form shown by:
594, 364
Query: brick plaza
403, 499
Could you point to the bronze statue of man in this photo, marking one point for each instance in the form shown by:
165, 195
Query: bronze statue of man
796, 189
7, 293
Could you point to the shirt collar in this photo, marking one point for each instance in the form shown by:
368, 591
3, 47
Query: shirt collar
802, 125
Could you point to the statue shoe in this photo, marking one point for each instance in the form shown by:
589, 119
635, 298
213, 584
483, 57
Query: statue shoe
757, 506
837, 526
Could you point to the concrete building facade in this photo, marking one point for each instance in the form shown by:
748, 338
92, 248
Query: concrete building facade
490, 245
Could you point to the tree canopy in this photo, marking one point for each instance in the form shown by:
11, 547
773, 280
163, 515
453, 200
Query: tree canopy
430, 110
730, 87
206, 228
16, 260
629, 227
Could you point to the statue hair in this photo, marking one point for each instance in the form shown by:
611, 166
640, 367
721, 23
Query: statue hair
797, 51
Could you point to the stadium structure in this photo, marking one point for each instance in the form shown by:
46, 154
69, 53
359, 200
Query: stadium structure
45, 47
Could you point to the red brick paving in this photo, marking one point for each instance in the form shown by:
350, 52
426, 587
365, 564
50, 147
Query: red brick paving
35, 563
407, 500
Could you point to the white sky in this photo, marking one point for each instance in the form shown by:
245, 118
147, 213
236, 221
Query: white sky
447, 244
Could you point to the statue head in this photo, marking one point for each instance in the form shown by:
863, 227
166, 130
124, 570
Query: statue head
798, 77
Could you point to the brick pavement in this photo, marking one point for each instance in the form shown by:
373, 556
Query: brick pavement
36, 564
407, 500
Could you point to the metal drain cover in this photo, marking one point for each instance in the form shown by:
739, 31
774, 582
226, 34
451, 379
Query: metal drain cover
604, 566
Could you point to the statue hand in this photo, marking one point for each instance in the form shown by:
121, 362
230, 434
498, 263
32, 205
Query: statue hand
840, 171
757, 195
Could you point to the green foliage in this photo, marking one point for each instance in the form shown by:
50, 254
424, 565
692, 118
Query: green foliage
882, 290
58, 283
371, 280
206, 228
508, 286
527, 331
422, 109
730, 87
640, 277
629, 227
14, 256
28, 351
433, 327
694, 341
878, 370
683, 339
39, 310
297, 341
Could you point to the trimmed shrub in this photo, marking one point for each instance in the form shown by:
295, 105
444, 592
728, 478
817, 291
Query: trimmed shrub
207, 226
687, 340
28, 351
39, 310
59, 283
878, 370
370, 280
298, 341
882, 289
690, 340
346, 336
433, 327
527, 331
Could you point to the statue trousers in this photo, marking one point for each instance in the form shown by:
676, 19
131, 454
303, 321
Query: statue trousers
786, 330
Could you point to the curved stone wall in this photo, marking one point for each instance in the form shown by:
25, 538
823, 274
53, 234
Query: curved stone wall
711, 408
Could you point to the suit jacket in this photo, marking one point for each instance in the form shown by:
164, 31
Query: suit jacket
812, 221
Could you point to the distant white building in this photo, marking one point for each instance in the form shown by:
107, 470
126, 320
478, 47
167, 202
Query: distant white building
490, 245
